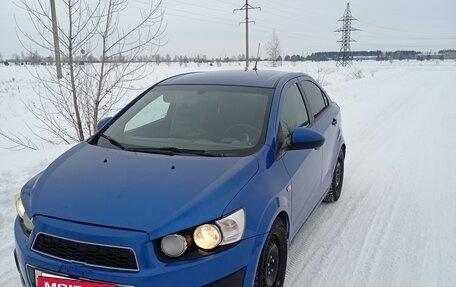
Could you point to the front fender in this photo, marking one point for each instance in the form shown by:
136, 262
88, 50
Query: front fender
263, 199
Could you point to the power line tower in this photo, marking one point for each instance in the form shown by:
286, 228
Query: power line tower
246, 7
345, 56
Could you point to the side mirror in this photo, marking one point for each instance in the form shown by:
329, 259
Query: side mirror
103, 122
303, 138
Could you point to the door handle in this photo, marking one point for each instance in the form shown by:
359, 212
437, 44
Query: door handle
334, 122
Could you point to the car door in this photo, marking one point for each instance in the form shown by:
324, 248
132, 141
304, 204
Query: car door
327, 122
303, 166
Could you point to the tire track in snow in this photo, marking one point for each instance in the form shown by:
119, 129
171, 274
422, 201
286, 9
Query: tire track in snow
366, 239
349, 215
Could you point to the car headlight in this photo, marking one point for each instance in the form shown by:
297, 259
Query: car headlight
20, 208
25, 220
208, 236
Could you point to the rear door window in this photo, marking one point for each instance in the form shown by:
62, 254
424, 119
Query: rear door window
317, 100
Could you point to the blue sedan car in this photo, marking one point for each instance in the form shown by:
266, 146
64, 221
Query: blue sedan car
202, 180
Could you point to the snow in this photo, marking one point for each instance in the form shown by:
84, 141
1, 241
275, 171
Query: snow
395, 223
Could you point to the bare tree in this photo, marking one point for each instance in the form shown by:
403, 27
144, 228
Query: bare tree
168, 60
157, 59
70, 108
16, 58
34, 58
19, 141
273, 48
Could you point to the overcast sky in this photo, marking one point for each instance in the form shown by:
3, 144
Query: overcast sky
209, 27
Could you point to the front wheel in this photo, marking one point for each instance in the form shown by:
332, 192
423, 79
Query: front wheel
273, 259
337, 180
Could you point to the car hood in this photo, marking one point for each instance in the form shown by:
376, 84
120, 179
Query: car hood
154, 193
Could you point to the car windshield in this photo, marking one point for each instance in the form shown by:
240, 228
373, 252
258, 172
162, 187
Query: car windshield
193, 119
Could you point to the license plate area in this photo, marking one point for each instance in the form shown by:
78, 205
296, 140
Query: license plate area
44, 279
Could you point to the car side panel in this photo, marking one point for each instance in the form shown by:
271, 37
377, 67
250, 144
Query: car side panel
304, 169
328, 124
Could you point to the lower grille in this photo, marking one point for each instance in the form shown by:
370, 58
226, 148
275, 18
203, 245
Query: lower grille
87, 253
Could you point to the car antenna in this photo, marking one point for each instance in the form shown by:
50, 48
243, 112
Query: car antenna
256, 61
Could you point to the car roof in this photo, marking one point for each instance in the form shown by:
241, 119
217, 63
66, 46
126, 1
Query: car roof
264, 78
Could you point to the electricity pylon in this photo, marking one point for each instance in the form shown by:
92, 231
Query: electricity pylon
345, 56
246, 7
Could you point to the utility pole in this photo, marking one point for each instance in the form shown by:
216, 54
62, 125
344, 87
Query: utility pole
58, 64
246, 7
345, 56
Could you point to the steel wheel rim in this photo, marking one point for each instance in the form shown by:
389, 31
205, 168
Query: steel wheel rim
338, 175
272, 263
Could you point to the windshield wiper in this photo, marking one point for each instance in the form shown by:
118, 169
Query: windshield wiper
113, 141
177, 151
163, 150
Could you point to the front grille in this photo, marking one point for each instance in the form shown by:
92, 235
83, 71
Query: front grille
88, 253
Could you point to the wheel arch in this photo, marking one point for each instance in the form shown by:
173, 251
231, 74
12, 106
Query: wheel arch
283, 216
277, 209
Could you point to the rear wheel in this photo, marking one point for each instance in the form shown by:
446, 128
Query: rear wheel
337, 180
273, 259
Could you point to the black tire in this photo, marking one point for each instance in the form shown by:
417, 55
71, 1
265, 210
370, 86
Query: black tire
273, 259
337, 180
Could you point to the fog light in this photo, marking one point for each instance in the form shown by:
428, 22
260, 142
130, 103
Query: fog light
207, 236
174, 245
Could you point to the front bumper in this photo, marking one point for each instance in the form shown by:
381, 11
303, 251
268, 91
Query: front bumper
232, 267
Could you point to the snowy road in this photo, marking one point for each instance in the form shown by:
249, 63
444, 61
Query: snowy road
395, 224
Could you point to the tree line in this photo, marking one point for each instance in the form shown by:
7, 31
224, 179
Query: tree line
34, 58
385, 55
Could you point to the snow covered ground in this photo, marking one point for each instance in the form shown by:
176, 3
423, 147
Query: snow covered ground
395, 224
